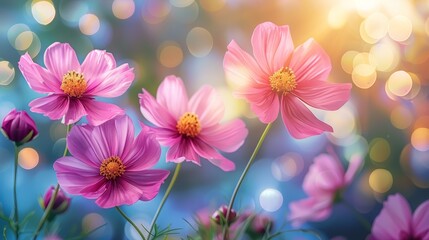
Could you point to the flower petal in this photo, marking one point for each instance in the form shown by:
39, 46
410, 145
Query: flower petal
226, 137
310, 62
323, 95
75, 112
207, 104
241, 69
74, 175
213, 156
154, 112
394, 220
310, 209
60, 58
100, 112
172, 96
272, 46
148, 181
263, 101
182, 151
112, 83
53, 106
118, 193
97, 63
354, 165
420, 221
299, 120
38, 78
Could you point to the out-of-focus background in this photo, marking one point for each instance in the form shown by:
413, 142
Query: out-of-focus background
380, 46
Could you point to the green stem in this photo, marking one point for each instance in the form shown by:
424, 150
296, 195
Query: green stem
167, 192
358, 216
243, 175
54, 196
15, 199
131, 222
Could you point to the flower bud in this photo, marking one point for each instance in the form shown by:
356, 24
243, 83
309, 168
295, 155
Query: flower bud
261, 224
61, 203
19, 127
220, 215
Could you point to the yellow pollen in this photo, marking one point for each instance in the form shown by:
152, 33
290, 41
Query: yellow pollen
111, 168
189, 125
73, 84
283, 81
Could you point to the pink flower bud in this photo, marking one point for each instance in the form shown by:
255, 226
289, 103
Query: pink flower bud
220, 215
19, 127
61, 203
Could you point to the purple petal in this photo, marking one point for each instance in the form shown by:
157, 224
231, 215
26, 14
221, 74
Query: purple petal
182, 151
60, 58
75, 112
118, 193
100, 112
148, 181
53, 106
154, 112
96, 63
420, 221
213, 156
172, 96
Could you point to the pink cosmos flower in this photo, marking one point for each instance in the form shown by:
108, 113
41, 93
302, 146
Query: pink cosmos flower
72, 87
191, 127
396, 221
323, 183
281, 78
110, 165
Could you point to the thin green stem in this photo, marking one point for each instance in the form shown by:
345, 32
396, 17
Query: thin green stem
131, 222
15, 198
358, 216
167, 192
52, 200
243, 175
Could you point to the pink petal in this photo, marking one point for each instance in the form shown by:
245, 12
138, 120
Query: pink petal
310, 209
97, 63
112, 83
53, 106
420, 221
100, 112
226, 137
60, 58
172, 96
299, 120
155, 113
394, 220
182, 151
75, 112
207, 104
144, 154
263, 101
325, 176
74, 175
323, 95
213, 156
118, 193
148, 181
166, 136
39, 79
272, 46
354, 165
241, 68
310, 62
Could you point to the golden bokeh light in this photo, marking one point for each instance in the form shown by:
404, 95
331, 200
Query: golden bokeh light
123, 9
380, 180
89, 24
347, 61
43, 11
401, 117
7, 73
28, 158
420, 139
364, 76
385, 56
399, 83
170, 54
415, 88
375, 25
199, 42
23, 40
342, 121
338, 16
363, 58
400, 28
181, 3
379, 149
212, 5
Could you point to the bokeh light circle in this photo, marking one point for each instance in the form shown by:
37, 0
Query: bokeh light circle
420, 139
401, 117
43, 11
28, 158
7, 73
199, 42
170, 54
287, 166
271, 200
400, 28
380, 180
399, 83
89, 24
379, 150
364, 76
123, 9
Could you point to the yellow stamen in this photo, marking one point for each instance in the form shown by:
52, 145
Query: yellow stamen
111, 168
73, 84
283, 81
189, 125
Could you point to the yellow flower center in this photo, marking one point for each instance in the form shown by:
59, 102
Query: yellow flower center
73, 84
283, 81
111, 168
189, 125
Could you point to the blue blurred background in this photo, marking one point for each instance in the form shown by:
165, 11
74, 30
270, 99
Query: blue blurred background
380, 46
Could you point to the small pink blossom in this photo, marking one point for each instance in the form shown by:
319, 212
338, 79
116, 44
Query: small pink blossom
281, 78
323, 183
397, 222
72, 87
110, 165
190, 127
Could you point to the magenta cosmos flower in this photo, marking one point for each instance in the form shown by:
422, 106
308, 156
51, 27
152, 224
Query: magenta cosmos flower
72, 87
191, 127
396, 221
110, 165
323, 183
281, 78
